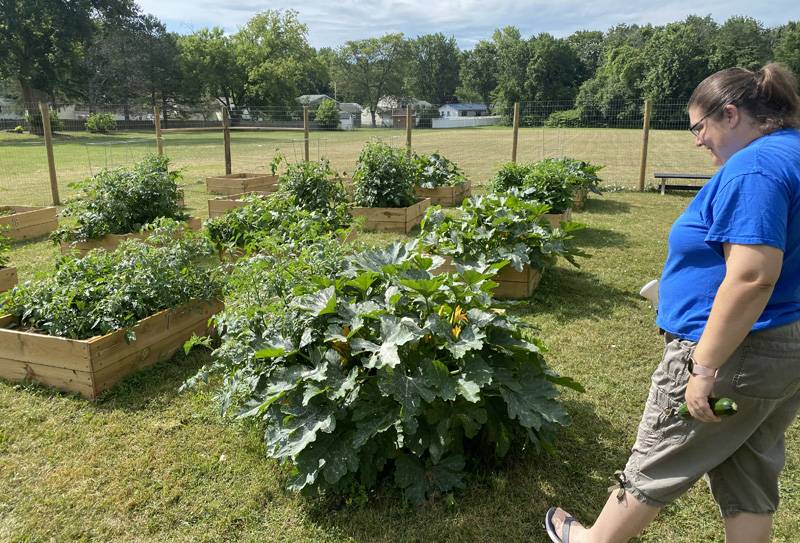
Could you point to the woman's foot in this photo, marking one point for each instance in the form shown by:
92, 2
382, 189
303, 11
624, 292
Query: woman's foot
575, 532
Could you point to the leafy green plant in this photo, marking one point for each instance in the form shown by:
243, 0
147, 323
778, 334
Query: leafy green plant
107, 291
384, 177
435, 170
19, 129
582, 175
498, 227
314, 185
327, 115
33, 119
5, 247
390, 374
100, 122
570, 118
277, 216
510, 175
121, 201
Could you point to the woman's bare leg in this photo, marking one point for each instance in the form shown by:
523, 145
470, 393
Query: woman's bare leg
748, 528
619, 521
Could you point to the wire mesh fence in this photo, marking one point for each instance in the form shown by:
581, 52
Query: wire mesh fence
479, 140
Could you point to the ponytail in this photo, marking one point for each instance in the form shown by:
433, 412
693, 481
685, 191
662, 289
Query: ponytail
769, 95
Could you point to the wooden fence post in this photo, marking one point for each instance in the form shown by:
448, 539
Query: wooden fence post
51, 161
226, 135
159, 140
516, 133
305, 133
648, 109
408, 131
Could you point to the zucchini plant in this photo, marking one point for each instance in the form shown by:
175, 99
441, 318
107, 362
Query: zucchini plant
107, 291
495, 228
122, 200
388, 374
384, 177
435, 170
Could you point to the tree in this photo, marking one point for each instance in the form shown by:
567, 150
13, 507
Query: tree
741, 41
553, 70
210, 66
434, 68
161, 74
787, 46
278, 61
479, 71
367, 70
42, 44
513, 54
588, 45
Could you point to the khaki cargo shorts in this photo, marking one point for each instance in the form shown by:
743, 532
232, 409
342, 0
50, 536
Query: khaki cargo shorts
742, 456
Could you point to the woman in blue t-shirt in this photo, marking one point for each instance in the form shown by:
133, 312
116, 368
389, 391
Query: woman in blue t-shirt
729, 304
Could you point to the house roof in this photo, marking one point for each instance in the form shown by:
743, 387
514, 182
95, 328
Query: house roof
311, 99
467, 107
350, 107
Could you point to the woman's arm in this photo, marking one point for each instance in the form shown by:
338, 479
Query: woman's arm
750, 277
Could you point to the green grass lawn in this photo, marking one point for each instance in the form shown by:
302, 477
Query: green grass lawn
146, 463
479, 151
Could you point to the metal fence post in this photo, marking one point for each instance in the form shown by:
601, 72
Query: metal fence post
305, 133
648, 109
516, 133
226, 135
51, 161
159, 140
408, 131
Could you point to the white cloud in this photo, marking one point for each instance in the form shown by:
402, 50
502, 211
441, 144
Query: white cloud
332, 23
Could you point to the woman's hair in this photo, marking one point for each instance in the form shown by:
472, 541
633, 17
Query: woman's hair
769, 95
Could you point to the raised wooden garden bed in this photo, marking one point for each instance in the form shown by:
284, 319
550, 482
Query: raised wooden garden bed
579, 199
237, 183
446, 196
392, 219
512, 284
28, 222
90, 366
223, 204
555, 219
8, 278
112, 241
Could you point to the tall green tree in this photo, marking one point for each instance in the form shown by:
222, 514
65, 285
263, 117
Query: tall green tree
367, 70
210, 66
434, 68
479, 71
787, 46
614, 94
278, 61
588, 45
554, 70
740, 41
43, 43
513, 54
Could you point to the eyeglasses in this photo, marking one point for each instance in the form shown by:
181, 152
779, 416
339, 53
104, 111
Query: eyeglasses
697, 127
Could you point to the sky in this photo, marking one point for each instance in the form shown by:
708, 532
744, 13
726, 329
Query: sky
331, 23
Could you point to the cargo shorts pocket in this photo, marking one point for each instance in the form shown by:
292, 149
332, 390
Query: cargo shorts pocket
767, 370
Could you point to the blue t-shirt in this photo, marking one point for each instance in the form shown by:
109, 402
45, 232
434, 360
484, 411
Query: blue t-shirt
753, 199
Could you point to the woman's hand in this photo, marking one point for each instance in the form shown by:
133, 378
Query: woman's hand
697, 392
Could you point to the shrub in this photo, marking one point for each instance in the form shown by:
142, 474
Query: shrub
314, 185
100, 122
123, 200
435, 170
570, 118
107, 291
582, 174
327, 114
19, 129
5, 247
384, 177
496, 228
510, 175
388, 374
33, 119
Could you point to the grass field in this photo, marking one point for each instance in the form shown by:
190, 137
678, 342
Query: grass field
147, 464
479, 151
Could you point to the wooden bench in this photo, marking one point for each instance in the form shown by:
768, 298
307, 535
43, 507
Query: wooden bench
663, 177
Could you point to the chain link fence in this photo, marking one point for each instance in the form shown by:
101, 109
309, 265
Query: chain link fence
477, 139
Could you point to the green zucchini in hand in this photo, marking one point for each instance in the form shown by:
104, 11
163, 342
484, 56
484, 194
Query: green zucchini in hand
722, 407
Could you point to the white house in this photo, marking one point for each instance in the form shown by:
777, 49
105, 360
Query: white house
388, 105
463, 110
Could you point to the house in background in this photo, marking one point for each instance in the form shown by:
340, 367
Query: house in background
349, 112
464, 110
391, 109
313, 100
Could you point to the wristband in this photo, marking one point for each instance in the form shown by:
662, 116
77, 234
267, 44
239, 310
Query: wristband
699, 369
